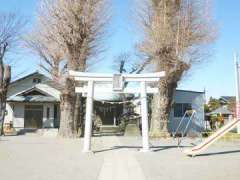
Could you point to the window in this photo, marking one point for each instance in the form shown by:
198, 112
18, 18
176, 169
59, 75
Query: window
178, 110
181, 108
36, 80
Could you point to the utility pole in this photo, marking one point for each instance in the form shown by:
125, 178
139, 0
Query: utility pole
235, 57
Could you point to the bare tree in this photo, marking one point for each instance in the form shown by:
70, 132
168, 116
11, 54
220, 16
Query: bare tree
121, 61
177, 34
48, 50
10, 29
125, 62
78, 29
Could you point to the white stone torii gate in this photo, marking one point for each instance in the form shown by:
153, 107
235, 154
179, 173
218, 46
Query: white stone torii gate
91, 78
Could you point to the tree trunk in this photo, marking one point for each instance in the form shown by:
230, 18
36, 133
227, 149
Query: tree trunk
5, 78
78, 112
161, 107
2, 114
78, 122
66, 129
77, 63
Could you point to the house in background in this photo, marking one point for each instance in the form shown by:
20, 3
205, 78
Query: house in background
223, 113
33, 103
184, 101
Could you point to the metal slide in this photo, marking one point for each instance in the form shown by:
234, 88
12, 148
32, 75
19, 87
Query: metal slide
211, 139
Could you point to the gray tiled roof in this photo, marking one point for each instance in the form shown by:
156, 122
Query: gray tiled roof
228, 98
221, 110
35, 98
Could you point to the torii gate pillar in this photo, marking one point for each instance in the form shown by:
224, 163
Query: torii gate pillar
144, 114
88, 122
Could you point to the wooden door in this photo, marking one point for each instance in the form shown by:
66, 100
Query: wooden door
33, 116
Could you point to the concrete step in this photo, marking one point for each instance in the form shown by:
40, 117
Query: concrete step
109, 129
51, 132
48, 132
28, 132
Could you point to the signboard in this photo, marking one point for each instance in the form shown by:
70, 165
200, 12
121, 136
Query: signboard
118, 82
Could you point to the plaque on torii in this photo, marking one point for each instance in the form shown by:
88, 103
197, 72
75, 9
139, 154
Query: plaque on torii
118, 82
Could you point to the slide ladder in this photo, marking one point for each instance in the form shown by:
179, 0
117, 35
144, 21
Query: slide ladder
211, 139
189, 115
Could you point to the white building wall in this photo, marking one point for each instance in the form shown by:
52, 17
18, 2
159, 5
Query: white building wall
197, 101
18, 118
16, 115
48, 122
9, 116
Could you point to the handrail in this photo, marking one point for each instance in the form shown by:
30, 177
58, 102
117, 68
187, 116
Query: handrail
186, 128
179, 125
190, 120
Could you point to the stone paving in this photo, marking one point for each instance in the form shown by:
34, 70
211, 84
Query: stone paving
113, 158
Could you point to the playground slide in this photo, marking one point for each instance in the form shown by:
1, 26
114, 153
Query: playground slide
211, 139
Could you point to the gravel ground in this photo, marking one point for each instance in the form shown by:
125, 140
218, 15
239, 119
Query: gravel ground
114, 158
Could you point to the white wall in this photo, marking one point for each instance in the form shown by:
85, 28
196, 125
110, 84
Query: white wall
18, 120
197, 101
48, 122
16, 115
9, 116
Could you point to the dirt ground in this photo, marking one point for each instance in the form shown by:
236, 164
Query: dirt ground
42, 158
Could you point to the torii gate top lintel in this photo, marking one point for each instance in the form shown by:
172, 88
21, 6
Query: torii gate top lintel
148, 77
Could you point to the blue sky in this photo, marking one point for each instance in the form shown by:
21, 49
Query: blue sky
216, 75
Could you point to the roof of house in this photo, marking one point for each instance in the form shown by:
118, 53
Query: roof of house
34, 98
25, 89
221, 110
47, 80
37, 93
190, 91
227, 98
25, 77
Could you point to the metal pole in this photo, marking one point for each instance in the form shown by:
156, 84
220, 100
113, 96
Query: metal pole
144, 113
237, 90
88, 121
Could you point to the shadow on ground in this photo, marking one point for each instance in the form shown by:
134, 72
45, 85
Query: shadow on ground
154, 148
219, 153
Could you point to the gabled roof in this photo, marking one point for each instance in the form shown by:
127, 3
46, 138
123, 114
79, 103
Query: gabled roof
222, 110
25, 77
35, 98
45, 94
227, 99
46, 80
27, 82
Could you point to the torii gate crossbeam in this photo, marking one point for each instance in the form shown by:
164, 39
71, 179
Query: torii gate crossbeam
91, 78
